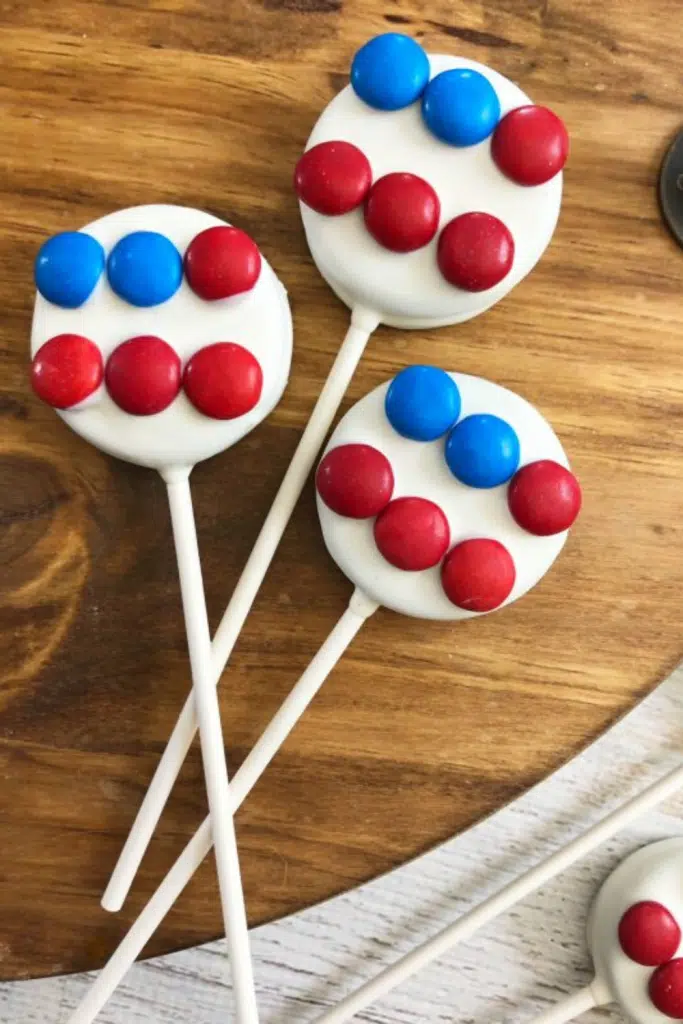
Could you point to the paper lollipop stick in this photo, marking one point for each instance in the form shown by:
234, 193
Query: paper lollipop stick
398, 433
409, 250
145, 407
211, 736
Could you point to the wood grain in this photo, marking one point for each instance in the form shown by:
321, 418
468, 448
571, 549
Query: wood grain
421, 731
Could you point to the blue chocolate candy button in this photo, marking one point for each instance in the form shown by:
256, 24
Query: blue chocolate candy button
482, 451
422, 403
67, 268
390, 71
145, 268
460, 107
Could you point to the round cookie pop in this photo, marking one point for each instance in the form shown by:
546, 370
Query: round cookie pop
444, 446
430, 186
382, 483
416, 216
161, 336
125, 369
634, 936
634, 933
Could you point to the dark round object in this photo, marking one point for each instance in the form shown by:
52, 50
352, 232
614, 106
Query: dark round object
671, 188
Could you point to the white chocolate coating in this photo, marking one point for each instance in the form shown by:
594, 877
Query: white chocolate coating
259, 320
420, 470
651, 873
407, 289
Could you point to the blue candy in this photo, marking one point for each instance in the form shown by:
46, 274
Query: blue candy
390, 71
422, 403
460, 107
482, 451
145, 268
67, 268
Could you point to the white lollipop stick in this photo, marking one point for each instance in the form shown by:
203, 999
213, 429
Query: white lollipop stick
503, 900
363, 323
360, 607
211, 735
576, 1003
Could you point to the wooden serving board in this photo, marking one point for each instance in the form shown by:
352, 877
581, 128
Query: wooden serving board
423, 728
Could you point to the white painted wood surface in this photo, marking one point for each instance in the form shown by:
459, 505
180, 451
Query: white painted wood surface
516, 967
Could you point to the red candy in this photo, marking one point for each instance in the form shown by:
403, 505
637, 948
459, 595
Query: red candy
475, 251
402, 212
530, 145
412, 534
223, 380
355, 480
478, 575
544, 498
222, 261
66, 370
333, 177
143, 375
666, 989
649, 934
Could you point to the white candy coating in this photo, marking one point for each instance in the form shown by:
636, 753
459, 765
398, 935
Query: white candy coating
259, 320
651, 873
420, 470
407, 289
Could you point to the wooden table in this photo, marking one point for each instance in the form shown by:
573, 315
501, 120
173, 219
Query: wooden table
421, 730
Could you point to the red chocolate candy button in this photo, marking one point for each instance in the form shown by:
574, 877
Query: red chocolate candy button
666, 989
333, 178
223, 380
402, 212
66, 370
355, 480
530, 145
475, 251
143, 375
222, 261
412, 534
478, 575
649, 934
544, 498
